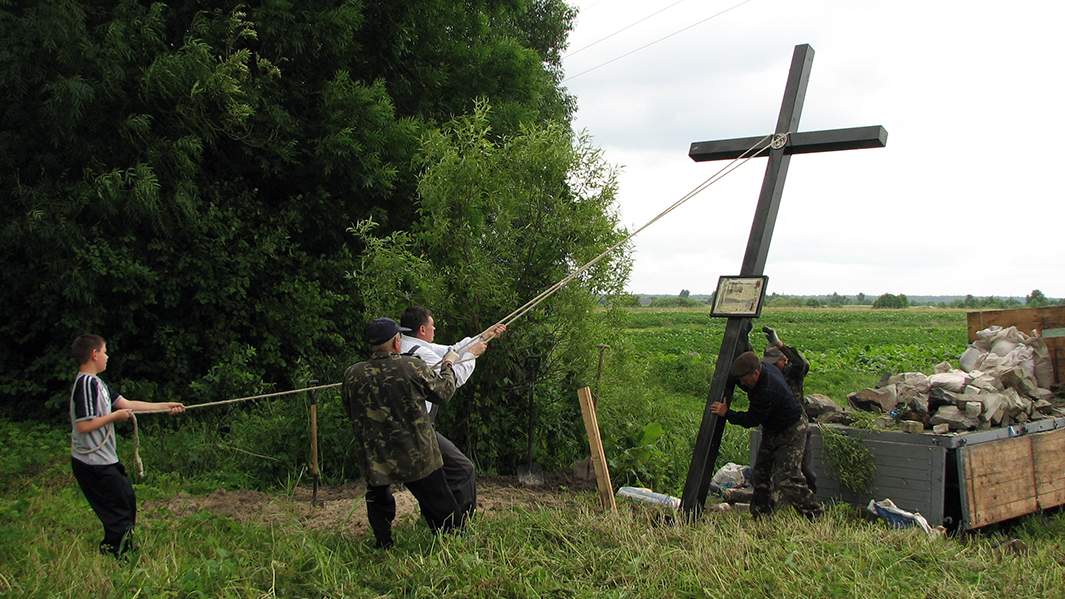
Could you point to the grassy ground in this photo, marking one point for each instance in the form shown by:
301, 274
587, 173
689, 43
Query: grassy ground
563, 550
553, 543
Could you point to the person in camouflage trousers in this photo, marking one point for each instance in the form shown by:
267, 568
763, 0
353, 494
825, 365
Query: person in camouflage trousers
794, 367
394, 438
777, 476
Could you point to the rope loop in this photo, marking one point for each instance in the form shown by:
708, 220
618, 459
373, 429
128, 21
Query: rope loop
779, 140
137, 448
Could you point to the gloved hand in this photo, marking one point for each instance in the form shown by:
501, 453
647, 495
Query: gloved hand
771, 336
450, 357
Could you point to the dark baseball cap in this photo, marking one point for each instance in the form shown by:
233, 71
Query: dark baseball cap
746, 363
772, 354
382, 329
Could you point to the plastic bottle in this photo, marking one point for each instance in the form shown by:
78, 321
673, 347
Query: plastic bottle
649, 496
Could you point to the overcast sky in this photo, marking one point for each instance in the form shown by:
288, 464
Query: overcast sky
965, 198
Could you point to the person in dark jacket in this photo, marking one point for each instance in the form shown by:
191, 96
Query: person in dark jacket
777, 475
794, 366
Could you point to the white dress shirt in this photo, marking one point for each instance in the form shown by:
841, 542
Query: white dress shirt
433, 353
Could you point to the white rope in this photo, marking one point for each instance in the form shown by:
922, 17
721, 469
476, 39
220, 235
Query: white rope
136, 436
776, 141
108, 435
137, 463
239, 399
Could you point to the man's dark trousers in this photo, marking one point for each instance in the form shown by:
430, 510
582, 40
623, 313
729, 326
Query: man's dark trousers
460, 475
435, 501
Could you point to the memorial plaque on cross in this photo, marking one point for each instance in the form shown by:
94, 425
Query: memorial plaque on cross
789, 141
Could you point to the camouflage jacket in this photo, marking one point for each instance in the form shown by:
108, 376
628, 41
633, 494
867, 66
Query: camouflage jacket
385, 399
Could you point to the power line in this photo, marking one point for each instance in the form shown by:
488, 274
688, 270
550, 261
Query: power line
629, 26
661, 39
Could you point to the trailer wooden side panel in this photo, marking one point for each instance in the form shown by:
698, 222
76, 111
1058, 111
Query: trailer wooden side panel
999, 481
1048, 322
1048, 456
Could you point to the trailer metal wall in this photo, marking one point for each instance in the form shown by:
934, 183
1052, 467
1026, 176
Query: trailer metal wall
967, 479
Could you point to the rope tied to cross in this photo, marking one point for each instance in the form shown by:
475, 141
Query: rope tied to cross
775, 141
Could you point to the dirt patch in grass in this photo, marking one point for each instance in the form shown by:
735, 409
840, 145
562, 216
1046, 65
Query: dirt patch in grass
342, 508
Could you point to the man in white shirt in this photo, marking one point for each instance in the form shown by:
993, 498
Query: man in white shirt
458, 469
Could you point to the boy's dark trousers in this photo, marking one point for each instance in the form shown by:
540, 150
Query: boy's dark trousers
437, 504
110, 494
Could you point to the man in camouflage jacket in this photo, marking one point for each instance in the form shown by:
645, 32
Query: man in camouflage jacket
385, 399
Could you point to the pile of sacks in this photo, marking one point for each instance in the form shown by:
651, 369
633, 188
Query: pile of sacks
1003, 380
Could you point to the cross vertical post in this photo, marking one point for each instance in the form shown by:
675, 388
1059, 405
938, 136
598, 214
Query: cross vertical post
712, 428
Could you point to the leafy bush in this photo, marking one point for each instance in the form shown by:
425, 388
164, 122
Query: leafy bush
30, 449
487, 239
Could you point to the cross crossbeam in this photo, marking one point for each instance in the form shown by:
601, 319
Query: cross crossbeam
803, 142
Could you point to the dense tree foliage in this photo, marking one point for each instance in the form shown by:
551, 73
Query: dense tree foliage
890, 300
1036, 299
179, 177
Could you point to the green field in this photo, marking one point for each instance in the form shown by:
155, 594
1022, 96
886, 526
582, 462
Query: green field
198, 541
661, 361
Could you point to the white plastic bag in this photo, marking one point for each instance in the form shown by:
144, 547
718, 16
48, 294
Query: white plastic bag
896, 517
731, 475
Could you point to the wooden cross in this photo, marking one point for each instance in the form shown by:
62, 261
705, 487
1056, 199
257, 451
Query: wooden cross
709, 440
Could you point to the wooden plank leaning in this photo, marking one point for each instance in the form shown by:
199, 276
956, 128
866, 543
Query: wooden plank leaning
595, 444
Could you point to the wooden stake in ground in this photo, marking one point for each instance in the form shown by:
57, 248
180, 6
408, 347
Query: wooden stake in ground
315, 474
595, 444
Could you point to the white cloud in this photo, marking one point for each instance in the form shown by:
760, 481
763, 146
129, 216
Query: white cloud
964, 199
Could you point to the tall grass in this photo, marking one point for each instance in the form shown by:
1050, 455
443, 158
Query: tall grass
532, 551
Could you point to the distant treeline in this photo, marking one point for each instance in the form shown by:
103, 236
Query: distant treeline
886, 300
